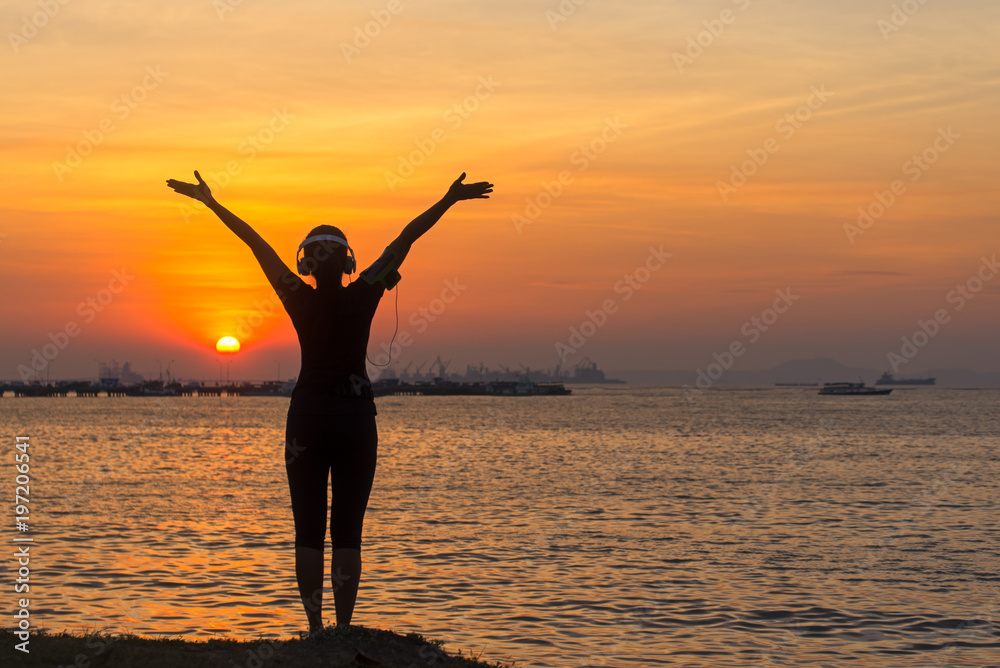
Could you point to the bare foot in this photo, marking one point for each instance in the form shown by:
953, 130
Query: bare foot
311, 633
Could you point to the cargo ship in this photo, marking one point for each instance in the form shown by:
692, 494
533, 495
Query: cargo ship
587, 372
888, 379
850, 389
441, 387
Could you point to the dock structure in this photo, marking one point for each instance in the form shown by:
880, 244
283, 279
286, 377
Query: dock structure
145, 389
387, 387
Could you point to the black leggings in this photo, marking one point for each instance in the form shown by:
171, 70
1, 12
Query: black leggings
317, 446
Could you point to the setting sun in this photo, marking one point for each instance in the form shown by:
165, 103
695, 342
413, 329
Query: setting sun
227, 344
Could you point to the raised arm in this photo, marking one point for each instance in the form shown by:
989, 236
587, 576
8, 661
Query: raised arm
278, 274
415, 229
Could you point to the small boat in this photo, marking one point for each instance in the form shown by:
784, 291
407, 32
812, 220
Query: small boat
851, 389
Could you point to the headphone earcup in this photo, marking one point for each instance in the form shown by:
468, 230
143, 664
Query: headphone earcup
350, 264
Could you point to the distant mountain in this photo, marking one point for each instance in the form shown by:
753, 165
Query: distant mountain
816, 370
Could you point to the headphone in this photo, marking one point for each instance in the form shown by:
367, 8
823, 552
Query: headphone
302, 265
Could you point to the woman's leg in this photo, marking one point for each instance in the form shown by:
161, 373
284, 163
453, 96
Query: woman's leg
345, 572
352, 473
309, 574
308, 475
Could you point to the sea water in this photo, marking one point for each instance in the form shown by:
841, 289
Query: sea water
618, 526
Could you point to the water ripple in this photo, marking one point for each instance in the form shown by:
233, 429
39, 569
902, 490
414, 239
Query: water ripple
622, 527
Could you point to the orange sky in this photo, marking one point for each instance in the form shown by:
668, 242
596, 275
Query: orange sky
296, 120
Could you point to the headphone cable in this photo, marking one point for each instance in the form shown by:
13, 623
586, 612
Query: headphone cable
396, 329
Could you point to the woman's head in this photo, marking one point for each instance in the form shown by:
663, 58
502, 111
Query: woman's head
326, 260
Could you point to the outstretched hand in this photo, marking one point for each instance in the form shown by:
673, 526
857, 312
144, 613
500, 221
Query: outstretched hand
198, 191
459, 191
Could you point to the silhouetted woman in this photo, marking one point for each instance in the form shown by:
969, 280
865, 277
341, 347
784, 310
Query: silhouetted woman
331, 427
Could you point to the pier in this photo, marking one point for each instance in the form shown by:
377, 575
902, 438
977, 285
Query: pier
146, 389
380, 388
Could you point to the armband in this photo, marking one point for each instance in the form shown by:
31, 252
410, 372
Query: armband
383, 270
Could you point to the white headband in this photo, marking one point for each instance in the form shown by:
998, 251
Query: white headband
325, 237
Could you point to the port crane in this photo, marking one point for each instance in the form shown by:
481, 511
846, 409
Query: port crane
442, 366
